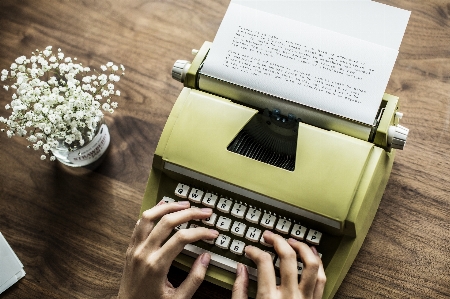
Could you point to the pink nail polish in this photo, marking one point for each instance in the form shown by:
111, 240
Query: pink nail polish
239, 269
183, 203
205, 259
206, 210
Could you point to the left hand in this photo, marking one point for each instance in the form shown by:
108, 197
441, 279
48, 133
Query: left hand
150, 255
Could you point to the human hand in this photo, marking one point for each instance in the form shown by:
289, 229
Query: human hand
150, 255
312, 282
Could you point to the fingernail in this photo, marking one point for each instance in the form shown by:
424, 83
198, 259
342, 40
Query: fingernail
206, 210
292, 240
183, 203
215, 232
268, 232
314, 250
239, 269
205, 259
161, 202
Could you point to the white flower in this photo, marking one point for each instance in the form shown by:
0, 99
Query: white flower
47, 130
50, 111
43, 157
20, 60
32, 138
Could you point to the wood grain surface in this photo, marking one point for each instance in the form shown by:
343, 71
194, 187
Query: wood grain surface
71, 228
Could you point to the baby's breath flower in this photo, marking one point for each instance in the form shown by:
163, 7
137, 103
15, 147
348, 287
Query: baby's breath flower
105, 106
56, 100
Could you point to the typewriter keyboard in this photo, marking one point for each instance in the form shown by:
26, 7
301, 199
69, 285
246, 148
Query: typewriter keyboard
239, 225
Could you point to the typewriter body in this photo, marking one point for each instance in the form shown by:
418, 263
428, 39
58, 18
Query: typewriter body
317, 180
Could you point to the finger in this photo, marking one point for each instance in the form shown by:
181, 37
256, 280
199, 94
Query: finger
133, 235
266, 272
176, 243
168, 222
149, 217
311, 264
321, 279
240, 286
288, 260
195, 277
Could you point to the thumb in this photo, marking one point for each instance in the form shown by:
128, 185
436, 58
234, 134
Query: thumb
195, 277
241, 283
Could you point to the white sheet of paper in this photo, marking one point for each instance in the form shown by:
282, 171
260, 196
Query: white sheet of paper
299, 62
370, 21
11, 269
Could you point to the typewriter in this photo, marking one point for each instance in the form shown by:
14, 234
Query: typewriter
260, 169
265, 163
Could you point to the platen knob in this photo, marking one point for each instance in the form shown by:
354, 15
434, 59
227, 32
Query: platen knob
397, 136
180, 69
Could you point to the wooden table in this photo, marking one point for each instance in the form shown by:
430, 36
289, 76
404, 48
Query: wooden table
71, 229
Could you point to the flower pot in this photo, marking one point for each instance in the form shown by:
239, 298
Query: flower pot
74, 155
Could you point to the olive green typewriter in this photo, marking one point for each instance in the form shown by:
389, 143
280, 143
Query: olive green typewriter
262, 165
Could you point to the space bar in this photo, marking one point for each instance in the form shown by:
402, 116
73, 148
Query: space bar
218, 260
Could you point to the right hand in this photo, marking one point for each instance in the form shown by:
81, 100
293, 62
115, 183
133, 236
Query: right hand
312, 282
